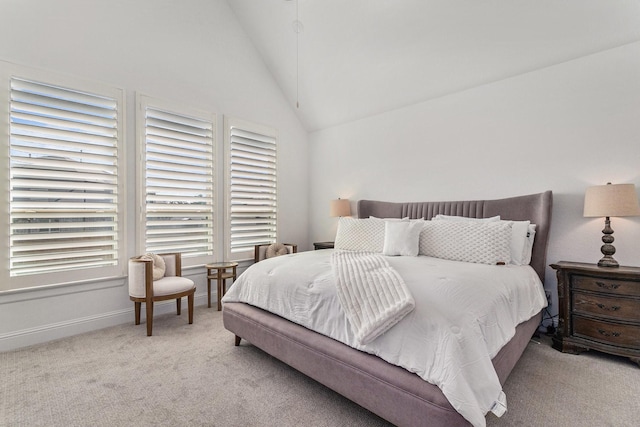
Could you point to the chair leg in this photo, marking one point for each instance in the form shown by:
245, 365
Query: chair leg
238, 340
149, 317
190, 304
137, 306
178, 305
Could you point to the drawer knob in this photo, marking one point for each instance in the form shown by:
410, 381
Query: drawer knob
608, 334
612, 308
607, 285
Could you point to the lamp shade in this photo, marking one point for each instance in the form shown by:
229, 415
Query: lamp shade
340, 207
611, 200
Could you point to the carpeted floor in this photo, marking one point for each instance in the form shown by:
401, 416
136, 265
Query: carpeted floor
193, 375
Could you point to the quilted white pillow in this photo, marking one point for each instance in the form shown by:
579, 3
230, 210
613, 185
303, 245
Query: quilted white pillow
482, 242
366, 234
401, 237
521, 237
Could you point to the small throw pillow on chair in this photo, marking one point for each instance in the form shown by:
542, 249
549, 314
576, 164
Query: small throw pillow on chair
276, 249
158, 265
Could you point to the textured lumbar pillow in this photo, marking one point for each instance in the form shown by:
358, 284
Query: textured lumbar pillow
479, 242
366, 234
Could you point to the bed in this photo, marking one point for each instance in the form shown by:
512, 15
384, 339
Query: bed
393, 392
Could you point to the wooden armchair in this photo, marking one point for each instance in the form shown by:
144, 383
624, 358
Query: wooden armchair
265, 251
143, 289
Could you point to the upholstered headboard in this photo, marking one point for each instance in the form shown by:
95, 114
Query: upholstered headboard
534, 207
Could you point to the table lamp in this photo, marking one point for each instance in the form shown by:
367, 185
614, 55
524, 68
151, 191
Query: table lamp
340, 207
607, 201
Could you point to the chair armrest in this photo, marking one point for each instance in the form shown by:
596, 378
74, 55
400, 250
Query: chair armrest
140, 278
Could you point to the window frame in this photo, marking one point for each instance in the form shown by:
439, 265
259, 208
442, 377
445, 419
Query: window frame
173, 108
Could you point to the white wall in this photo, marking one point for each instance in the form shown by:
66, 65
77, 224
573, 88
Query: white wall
561, 128
192, 52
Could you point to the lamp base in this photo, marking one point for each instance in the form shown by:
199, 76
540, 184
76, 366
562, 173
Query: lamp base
608, 261
607, 249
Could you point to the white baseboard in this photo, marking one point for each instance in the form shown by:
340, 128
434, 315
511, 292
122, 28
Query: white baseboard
54, 331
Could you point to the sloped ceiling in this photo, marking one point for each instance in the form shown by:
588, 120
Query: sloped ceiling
357, 58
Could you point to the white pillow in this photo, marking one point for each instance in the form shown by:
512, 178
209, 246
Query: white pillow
356, 234
520, 243
526, 257
521, 238
158, 264
401, 237
482, 242
464, 218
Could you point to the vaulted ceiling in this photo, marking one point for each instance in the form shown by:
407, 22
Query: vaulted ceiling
352, 59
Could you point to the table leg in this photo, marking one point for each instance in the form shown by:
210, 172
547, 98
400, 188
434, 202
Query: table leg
219, 291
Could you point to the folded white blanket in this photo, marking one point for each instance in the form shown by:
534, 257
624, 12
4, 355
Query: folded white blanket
372, 294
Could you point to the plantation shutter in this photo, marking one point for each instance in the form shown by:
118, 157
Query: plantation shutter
63, 179
179, 184
252, 188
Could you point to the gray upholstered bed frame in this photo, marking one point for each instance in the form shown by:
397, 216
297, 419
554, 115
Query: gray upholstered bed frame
392, 392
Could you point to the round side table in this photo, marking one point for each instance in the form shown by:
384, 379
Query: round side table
219, 271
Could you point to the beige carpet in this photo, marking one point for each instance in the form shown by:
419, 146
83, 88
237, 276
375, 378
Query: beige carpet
193, 375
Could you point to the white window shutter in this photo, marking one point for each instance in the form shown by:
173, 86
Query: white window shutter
178, 182
64, 181
251, 173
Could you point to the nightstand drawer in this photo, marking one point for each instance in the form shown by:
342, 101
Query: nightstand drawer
605, 306
616, 334
610, 286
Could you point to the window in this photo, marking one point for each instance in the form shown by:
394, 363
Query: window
65, 188
251, 165
177, 152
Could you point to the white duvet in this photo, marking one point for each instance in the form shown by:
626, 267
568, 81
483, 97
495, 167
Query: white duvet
464, 313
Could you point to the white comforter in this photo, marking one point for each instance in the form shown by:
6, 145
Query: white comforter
464, 313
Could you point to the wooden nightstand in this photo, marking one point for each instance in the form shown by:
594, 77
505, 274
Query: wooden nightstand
599, 309
323, 245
